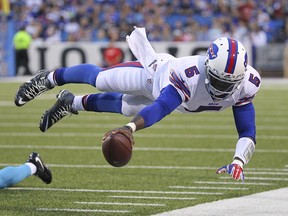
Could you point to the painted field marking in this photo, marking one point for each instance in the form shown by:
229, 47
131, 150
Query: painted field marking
126, 167
267, 169
207, 188
169, 149
142, 167
164, 126
155, 197
259, 178
114, 191
232, 183
172, 118
266, 173
83, 210
151, 135
121, 204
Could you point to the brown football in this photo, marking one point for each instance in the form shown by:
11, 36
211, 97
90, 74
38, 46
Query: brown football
117, 149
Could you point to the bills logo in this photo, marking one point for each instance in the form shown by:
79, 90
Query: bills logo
212, 51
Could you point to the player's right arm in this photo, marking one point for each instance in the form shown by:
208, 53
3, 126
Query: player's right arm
175, 91
168, 100
173, 95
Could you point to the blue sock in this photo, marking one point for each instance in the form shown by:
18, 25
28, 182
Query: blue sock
12, 175
103, 102
83, 73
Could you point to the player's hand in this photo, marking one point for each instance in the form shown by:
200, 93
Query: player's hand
235, 169
124, 130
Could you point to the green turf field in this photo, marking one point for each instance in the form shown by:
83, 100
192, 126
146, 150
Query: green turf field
173, 163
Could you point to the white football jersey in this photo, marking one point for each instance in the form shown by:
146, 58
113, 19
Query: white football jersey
187, 75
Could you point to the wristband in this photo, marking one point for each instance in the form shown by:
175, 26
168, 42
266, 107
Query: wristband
245, 148
132, 125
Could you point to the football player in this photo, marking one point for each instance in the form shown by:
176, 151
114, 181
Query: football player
158, 84
34, 165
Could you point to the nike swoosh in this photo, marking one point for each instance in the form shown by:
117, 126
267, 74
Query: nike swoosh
21, 102
40, 162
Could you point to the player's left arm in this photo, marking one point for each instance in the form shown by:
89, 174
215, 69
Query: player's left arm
244, 117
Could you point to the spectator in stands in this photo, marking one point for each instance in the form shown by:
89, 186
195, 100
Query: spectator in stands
68, 15
100, 36
22, 40
258, 36
215, 31
52, 34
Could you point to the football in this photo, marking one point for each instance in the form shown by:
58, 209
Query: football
117, 149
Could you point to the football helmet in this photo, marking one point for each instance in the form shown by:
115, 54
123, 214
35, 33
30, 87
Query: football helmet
225, 67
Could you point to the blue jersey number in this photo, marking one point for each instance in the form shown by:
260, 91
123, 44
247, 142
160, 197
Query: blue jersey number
190, 72
255, 80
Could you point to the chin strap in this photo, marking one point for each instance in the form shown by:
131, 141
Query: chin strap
245, 148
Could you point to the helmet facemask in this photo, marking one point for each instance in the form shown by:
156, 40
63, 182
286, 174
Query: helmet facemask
218, 87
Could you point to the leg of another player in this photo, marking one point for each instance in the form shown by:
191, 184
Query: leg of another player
12, 175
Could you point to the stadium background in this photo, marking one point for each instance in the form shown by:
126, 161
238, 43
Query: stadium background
174, 162
69, 32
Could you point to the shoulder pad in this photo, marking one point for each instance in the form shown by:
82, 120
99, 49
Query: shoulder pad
251, 85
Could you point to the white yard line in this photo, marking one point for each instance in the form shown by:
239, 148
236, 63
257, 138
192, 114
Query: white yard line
261, 204
73, 166
82, 210
150, 135
258, 178
280, 151
233, 183
120, 204
174, 117
114, 191
266, 173
207, 188
154, 197
163, 126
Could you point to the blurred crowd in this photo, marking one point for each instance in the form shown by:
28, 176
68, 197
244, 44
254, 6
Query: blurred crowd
259, 21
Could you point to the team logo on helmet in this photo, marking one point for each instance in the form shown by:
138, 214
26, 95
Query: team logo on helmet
212, 51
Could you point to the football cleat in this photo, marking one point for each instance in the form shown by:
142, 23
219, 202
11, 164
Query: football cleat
42, 171
59, 110
33, 88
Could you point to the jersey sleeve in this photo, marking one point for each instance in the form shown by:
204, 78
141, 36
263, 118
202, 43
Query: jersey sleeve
168, 100
184, 76
252, 83
244, 117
